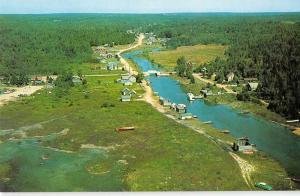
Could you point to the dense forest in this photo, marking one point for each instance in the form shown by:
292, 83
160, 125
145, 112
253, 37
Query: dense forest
265, 46
272, 55
50, 43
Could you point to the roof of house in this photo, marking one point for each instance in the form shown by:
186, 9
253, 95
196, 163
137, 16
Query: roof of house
127, 77
253, 85
125, 90
181, 106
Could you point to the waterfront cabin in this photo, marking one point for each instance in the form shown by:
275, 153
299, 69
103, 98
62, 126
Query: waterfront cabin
181, 108
185, 116
130, 78
165, 102
242, 145
126, 98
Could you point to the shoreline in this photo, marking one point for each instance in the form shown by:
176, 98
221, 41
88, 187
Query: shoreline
275, 118
247, 168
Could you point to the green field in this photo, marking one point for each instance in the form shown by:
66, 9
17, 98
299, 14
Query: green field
197, 54
159, 155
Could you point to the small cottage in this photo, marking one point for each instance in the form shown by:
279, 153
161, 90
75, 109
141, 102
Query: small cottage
113, 66
130, 78
181, 108
242, 144
165, 102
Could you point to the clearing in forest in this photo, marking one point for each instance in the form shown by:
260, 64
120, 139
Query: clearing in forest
197, 54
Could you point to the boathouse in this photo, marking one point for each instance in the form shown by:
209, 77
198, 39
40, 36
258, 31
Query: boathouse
181, 108
165, 102
242, 144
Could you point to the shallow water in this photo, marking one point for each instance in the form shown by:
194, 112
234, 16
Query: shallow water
269, 137
61, 172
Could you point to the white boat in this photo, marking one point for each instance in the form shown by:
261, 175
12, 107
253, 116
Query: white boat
191, 96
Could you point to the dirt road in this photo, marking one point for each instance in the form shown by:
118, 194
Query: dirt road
222, 86
27, 90
246, 168
123, 61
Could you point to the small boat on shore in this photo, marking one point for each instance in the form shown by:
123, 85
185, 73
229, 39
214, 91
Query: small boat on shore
297, 180
194, 116
292, 121
207, 122
225, 131
125, 129
45, 157
191, 96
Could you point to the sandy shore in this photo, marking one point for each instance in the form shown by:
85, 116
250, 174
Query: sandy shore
297, 131
26, 90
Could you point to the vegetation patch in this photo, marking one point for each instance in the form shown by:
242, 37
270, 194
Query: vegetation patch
197, 54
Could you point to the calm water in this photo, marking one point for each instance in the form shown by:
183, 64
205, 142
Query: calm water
271, 138
61, 172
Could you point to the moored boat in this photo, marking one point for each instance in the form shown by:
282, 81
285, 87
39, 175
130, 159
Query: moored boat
191, 96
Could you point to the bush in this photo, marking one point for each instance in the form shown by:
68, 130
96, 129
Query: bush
140, 78
243, 96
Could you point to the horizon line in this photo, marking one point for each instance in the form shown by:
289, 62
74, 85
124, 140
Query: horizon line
152, 13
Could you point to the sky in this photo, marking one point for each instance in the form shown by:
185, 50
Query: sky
145, 6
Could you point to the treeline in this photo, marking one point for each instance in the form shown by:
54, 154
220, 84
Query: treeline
222, 28
48, 44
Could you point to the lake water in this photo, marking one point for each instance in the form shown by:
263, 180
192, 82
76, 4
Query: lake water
269, 137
